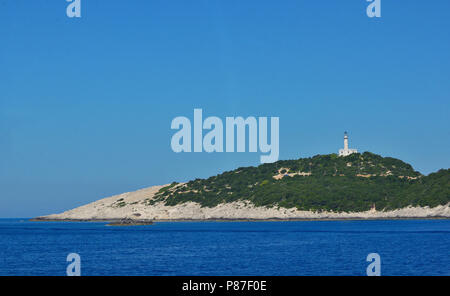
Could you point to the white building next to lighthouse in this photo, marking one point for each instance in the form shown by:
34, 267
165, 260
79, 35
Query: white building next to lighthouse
346, 151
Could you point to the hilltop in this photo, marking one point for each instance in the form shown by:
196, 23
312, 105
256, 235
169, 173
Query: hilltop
324, 186
356, 182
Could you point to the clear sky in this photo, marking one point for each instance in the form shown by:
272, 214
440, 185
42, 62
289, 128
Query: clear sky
86, 104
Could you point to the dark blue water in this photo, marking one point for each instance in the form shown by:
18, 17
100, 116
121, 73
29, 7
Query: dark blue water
414, 247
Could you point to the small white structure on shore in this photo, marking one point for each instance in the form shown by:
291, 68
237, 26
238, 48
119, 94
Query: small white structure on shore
346, 151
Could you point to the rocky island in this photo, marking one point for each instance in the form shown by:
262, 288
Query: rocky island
357, 186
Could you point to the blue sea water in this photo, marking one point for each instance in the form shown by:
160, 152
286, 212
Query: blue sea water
406, 247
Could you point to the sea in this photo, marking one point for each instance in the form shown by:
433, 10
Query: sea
404, 247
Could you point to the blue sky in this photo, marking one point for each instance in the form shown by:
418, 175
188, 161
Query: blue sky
86, 104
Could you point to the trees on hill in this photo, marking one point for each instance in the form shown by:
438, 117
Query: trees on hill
323, 182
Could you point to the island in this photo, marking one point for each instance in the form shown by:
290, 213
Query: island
323, 187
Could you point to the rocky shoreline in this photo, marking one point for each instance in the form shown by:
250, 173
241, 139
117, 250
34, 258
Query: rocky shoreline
118, 222
135, 208
111, 222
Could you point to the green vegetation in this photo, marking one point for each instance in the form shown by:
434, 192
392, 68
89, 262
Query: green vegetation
119, 203
323, 182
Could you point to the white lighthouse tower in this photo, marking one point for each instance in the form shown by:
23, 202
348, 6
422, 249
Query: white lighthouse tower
346, 151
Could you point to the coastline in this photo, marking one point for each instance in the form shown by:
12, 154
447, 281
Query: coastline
135, 206
148, 222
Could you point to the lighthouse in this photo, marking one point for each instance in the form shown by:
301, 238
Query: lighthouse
346, 151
